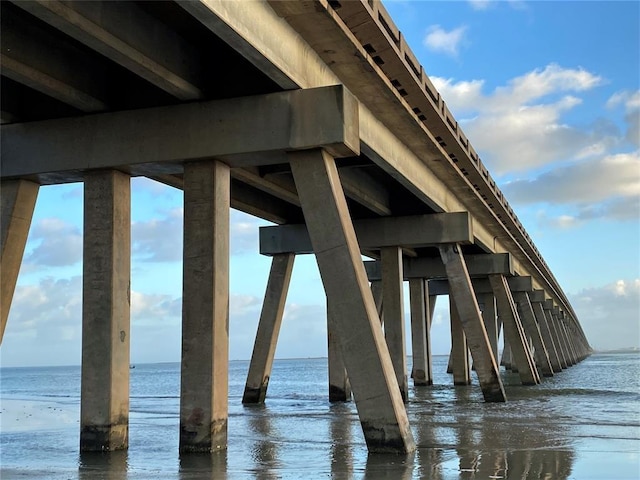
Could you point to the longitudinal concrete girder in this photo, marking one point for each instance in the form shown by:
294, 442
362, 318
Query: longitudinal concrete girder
106, 288
159, 140
264, 348
468, 313
377, 394
18, 199
205, 308
409, 231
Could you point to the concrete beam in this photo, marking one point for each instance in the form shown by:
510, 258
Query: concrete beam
392, 299
205, 308
33, 56
159, 140
376, 391
264, 348
483, 285
424, 267
127, 35
466, 307
513, 331
410, 231
18, 201
106, 288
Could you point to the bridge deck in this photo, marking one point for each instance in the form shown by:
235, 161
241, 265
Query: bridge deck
148, 88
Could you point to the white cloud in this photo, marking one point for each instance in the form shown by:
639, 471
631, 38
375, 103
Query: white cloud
439, 40
158, 239
630, 101
586, 181
609, 314
481, 4
528, 114
58, 244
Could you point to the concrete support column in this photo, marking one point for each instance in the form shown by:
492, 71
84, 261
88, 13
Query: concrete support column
205, 308
375, 389
104, 401
541, 318
468, 313
490, 319
563, 338
339, 385
459, 358
557, 340
506, 355
264, 347
422, 372
568, 341
514, 333
525, 310
392, 299
18, 199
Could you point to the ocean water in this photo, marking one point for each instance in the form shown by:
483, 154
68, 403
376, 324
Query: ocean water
580, 424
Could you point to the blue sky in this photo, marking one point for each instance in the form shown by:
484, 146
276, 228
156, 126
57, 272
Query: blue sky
548, 94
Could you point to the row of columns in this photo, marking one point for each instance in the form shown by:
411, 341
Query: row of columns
364, 359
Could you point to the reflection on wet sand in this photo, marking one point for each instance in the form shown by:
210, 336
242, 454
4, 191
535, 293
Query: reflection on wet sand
108, 465
203, 465
490, 441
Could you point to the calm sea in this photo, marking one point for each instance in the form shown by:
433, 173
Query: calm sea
583, 423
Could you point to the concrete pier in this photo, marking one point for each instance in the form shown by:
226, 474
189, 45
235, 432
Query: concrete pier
422, 371
339, 385
104, 392
468, 313
264, 347
525, 311
18, 199
490, 319
513, 331
459, 358
392, 299
537, 300
205, 308
375, 388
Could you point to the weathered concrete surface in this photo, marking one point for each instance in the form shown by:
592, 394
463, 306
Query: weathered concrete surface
459, 359
490, 319
106, 283
409, 231
513, 331
468, 313
230, 129
264, 348
339, 385
375, 388
547, 337
18, 202
525, 311
422, 371
205, 308
393, 301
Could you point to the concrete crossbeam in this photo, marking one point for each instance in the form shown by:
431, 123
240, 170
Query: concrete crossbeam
465, 307
375, 389
482, 285
264, 348
159, 140
18, 201
409, 231
106, 283
432, 268
205, 308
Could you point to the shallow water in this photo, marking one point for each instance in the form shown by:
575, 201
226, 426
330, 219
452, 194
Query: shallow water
582, 423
